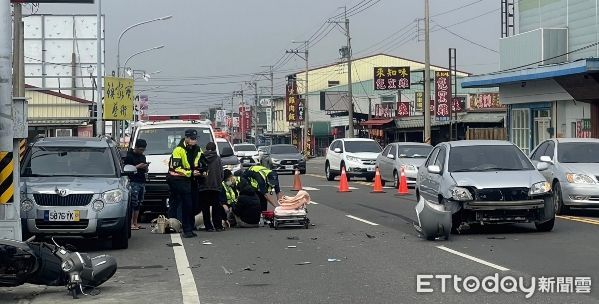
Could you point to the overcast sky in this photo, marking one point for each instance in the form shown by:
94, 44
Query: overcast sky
237, 37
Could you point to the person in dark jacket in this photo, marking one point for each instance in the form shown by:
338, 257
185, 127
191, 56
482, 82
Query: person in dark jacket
209, 189
136, 157
247, 209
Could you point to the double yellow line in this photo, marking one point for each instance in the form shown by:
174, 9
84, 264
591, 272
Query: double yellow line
579, 219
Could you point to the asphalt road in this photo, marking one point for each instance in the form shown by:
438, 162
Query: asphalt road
362, 248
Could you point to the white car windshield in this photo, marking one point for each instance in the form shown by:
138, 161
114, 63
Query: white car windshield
162, 141
245, 148
362, 146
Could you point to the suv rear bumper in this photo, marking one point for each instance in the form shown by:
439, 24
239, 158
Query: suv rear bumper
85, 227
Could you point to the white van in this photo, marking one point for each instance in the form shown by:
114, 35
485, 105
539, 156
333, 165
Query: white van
163, 133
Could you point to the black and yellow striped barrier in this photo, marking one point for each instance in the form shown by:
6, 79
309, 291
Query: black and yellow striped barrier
6, 180
22, 148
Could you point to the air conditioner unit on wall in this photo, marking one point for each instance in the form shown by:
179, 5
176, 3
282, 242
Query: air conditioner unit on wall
64, 132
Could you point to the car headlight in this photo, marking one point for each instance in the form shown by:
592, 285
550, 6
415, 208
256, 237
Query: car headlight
409, 167
26, 205
98, 205
275, 161
579, 178
113, 196
539, 188
353, 158
461, 194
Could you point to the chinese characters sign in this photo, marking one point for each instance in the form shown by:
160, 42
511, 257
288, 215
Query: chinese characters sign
458, 104
442, 95
118, 98
583, 128
403, 109
294, 105
309, 142
391, 78
384, 111
245, 118
485, 101
419, 101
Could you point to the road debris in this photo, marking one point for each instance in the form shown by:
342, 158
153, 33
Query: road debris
206, 243
291, 246
294, 237
173, 244
370, 236
248, 269
303, 263
496, 237
334, 260
226, 270
266, 272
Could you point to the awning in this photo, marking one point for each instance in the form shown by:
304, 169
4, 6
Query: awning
590, 65
482, 118
417, 122
377, 122
321, 128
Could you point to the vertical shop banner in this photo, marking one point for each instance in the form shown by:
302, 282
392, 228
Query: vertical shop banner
300, 109
247, 118
235, 122
292, 100
403, 109
269, 120
391, 78
442, 95
419, 103
241, 120
309, 141
295, 136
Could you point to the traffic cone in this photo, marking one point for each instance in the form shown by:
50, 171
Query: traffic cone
343, 185
297, 183
403, 184
378, 183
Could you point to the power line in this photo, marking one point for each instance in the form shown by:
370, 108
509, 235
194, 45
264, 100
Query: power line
365, 8
457, 8
466, 39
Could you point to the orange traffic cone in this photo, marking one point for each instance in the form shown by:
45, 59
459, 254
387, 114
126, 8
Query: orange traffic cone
403, 184
378, 183
343, 185
297, 183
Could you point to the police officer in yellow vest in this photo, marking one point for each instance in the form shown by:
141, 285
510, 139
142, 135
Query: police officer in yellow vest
264, 181
184, 167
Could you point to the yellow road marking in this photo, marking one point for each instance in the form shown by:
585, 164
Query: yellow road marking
579, 219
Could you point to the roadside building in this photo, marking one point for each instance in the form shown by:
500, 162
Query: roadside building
549, 72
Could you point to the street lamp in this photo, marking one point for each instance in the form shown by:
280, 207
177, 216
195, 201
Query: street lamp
118, 53
141, 52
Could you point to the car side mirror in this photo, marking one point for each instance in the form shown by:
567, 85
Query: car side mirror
391, 156
129, 170
546, 159
337, 150
227, 151
542, 166
434, 169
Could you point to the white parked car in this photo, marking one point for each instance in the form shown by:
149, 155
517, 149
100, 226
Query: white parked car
357, 155
247, 154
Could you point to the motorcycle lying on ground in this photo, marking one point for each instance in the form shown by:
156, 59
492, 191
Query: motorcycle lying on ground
42, 263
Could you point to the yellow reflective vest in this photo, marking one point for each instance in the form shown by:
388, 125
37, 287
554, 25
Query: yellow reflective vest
179, 164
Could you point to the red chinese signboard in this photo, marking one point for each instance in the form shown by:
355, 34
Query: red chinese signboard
458, 104
403, 109
583, 128
391, 78
245, 118
442, 95
292, 100
485, 101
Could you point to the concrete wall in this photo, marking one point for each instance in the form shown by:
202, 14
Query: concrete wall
533, 91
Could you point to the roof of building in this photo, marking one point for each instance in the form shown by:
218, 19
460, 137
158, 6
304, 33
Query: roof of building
57, 94
537, 73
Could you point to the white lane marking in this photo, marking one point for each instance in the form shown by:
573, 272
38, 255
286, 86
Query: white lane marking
361, 220
475, 259
313, 203
189, 288
310, 189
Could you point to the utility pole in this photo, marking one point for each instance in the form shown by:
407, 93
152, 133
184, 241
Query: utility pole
349, 81
99, 87
255, 113
272, 104
427, 76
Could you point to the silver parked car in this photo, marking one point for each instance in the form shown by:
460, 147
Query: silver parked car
76, 187
485, 181
407, 155
573, 171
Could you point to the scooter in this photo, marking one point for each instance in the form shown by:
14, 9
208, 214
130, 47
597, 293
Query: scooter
42, 263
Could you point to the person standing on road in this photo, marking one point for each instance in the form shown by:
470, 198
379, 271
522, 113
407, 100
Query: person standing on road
210, 190
136, 157
264, 181
184, 165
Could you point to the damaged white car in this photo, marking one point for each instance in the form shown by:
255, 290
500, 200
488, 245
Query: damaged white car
486, 182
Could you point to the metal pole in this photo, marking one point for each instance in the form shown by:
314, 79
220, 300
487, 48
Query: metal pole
427, 75
99, 86
349, 81
255, 113
306, 103
272, 104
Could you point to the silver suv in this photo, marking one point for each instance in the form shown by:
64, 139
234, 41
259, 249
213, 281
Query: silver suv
74, 186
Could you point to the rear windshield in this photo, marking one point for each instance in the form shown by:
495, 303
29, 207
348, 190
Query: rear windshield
414, 151
578, 152
362, 146
245, 148
69, 161
283, 150
221, 145
488, 158
162, 141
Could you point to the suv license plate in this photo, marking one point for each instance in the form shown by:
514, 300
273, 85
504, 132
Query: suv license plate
289, 167
247, 161
370, 169
61, 216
